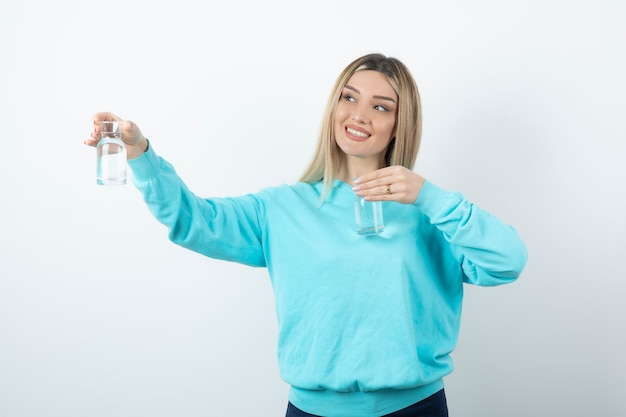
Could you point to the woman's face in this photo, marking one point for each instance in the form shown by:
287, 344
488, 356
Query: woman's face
365, 116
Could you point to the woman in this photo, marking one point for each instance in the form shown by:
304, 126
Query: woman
366, 323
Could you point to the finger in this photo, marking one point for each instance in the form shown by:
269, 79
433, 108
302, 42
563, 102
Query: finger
91, 142
95, 133
97, 118
129, 128
101, 117
95, 136
380, 197
376, 184
374, 192
374, 175
131, 133
105, 117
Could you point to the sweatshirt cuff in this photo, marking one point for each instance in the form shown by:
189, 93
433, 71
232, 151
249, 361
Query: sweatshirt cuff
431, 198
145, 166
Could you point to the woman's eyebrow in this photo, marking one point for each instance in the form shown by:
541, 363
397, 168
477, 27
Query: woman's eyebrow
349, 87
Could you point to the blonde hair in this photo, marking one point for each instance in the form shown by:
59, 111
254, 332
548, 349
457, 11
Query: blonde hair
403, 147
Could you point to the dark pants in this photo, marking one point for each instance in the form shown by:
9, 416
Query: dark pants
433, 406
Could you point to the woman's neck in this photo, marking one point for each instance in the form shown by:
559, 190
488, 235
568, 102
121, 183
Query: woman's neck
355, 167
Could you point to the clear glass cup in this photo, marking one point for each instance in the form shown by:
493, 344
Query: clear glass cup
111, 155
369, 216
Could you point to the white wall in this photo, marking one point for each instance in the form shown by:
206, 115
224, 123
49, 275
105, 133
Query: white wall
100, 315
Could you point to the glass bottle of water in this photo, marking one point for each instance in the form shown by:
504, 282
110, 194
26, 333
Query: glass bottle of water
111, 155
369, 216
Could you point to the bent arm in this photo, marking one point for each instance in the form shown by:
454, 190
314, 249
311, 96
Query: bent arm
490, 252
220, 228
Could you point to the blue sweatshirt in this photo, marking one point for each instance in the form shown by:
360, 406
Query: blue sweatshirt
366, 323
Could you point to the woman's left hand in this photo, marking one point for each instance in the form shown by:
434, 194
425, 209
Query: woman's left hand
393, 183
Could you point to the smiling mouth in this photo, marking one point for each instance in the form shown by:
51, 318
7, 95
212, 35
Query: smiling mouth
357, 133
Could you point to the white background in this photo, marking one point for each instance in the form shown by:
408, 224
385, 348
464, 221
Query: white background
100, 315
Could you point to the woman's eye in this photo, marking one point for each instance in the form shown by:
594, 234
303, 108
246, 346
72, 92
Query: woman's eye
348, 97
381, 108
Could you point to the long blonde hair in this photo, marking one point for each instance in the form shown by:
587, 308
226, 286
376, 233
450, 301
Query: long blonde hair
403, 147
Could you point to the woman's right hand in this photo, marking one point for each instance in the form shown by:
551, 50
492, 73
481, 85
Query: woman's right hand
136, 143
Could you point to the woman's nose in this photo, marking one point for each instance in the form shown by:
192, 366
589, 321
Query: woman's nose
359, 115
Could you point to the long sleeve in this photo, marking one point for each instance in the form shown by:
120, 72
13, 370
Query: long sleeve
221, 228
490, 251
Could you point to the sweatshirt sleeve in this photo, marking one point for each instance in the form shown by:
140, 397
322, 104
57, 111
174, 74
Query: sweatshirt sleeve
490, 252
220, 228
